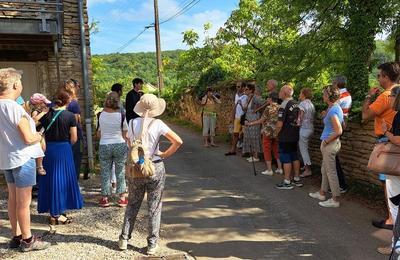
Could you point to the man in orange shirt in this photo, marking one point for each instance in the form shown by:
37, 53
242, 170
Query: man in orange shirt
381, 111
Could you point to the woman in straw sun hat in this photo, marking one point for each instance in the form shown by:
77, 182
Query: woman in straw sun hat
148, 107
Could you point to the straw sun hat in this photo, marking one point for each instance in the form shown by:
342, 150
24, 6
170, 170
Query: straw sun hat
151, 104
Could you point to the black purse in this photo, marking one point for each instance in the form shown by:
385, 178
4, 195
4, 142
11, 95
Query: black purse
243, 117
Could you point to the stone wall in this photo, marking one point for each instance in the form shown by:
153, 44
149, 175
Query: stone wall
357, 140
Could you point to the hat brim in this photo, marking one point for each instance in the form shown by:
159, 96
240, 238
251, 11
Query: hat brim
154, 112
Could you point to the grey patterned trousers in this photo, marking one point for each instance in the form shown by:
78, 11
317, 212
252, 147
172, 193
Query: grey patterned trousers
154, 187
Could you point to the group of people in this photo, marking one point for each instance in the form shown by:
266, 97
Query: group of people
39, 137
282, 127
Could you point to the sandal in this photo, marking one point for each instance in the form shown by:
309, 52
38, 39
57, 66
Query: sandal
61, 220
40, 170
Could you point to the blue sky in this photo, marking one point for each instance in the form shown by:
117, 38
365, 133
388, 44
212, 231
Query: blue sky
121, 20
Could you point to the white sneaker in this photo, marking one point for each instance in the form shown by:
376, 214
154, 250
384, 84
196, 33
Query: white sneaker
279, 171
249, 159
268, 172
317, 195
252, 159
122, 244
329, 203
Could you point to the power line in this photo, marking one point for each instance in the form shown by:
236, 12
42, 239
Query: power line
184, 9
132, 39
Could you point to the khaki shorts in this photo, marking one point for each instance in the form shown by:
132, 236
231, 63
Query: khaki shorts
237, 127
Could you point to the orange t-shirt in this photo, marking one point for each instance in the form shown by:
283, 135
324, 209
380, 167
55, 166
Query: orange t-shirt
384, 112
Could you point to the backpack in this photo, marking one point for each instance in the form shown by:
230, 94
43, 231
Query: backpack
138, 164
122, 120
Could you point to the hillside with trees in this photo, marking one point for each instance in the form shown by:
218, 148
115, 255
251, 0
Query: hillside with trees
302, 42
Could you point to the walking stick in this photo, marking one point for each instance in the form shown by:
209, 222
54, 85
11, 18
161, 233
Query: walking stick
252, 160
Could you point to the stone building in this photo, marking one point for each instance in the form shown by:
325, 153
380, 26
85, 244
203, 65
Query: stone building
42, 38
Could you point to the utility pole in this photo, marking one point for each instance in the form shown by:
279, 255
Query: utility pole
158, 48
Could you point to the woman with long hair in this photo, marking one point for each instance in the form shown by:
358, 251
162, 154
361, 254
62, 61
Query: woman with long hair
72, 87
58, 189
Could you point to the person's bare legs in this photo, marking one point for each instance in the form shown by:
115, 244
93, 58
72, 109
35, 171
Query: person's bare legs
206, 141
278, 162
389, 220
12, 209
296, 168
269, 165
23, 198
287, 170
235, 140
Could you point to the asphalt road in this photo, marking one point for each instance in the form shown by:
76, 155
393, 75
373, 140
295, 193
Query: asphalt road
214, 207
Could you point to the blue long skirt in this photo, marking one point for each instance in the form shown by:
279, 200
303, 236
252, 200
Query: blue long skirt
58, 189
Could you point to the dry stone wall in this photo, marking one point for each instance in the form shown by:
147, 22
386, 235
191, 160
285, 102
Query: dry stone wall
357, 140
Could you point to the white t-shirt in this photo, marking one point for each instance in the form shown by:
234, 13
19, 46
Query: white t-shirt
110, 128
240, 102
155, 131
14, 151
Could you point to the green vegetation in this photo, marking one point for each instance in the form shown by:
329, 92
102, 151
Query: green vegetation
298, 41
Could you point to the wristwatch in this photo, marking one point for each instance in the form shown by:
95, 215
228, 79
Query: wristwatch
368, 96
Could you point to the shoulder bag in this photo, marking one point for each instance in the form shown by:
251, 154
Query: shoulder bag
385, 158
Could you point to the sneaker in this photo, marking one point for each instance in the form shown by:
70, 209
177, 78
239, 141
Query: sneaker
123, 203
122, 244
329, 203
252, 159
239, 145
268, 172
297, 183
317, 195
104, 202
279, 171
15, 242
152, 249
284, 186
342, 191
35, 244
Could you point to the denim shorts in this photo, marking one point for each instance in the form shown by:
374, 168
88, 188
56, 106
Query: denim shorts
23, 176
382, 139
288, 152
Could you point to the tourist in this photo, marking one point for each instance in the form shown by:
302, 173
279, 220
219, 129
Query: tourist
252, 133
19, 143
113, 149
288, 130
58, 189
209, 103
148, 108
132, 98
330, 146
306, 122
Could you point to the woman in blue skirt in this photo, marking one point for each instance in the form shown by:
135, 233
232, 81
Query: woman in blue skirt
58, 189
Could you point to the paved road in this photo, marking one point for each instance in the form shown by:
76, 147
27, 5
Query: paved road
216, 208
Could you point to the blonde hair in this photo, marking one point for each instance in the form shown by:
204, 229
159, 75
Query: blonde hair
112, 100
8, 77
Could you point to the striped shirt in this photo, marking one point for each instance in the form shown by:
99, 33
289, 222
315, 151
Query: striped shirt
345, 101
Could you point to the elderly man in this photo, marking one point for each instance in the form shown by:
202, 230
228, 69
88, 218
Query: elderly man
19, 144
288, 135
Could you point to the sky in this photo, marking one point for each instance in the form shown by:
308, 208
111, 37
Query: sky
122, 20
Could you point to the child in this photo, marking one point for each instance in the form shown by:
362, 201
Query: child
38, 105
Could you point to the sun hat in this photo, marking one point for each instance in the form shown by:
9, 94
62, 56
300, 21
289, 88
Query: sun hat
150, 105
38, 98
